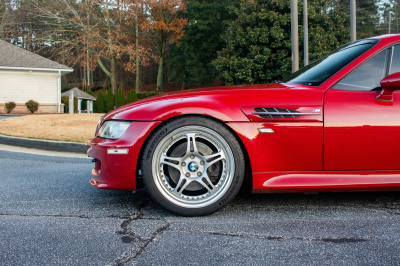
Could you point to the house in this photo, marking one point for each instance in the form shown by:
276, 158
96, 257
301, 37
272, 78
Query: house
27, 76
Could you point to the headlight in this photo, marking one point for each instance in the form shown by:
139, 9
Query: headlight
98, 124
113, 129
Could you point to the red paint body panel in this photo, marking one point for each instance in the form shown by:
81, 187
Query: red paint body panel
353, 145
361, 132
222, 103
326, 181
118, 171
293, 146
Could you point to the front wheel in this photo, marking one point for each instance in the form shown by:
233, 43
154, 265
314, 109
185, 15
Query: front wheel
193, 165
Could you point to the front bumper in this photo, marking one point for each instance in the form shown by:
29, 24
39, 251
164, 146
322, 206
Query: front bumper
118, 170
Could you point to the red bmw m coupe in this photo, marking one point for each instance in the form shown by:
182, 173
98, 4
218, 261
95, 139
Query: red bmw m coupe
334, 125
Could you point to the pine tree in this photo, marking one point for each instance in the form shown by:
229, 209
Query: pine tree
119, 98
101, 106
132, 96
110, 100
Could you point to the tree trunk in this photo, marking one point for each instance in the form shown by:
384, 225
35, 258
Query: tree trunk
137, 55
160, 76
113, 78
397, 19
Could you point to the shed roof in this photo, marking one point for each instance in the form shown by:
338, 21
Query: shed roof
78, 94
14, 57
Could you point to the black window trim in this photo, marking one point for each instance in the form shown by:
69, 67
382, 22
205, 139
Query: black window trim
379, 40
387, 67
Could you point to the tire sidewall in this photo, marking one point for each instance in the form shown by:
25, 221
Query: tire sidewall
166, 128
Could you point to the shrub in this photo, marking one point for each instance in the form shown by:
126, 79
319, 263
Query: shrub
110, 100
32, 106
83, 105
75, 105
146, 95
119, 98
10, 106
101, 107
131, 97
65, 101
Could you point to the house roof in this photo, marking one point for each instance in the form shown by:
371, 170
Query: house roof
14, 57
78, 94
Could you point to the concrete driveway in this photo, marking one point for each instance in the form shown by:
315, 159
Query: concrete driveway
50, 215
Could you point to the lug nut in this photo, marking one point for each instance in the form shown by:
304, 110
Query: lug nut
191, 156
183, 164
202, 162
187, 174
198, 173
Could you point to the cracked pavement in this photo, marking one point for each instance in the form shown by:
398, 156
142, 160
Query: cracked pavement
50, 215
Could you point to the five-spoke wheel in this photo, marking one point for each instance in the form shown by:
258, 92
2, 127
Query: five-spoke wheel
193, 168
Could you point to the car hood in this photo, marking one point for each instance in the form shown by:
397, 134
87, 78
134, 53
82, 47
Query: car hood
223, 103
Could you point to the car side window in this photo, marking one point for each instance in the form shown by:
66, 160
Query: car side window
367, 77
395, 60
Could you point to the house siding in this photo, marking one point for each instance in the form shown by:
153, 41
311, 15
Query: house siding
20, 87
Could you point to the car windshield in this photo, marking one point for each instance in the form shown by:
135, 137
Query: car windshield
319, 71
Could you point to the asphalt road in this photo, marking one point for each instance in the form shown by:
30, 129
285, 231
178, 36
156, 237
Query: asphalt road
50, 215
8, 116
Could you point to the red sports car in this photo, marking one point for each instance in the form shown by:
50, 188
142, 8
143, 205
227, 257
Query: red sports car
334, 125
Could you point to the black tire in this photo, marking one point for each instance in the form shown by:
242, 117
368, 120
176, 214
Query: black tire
236, 177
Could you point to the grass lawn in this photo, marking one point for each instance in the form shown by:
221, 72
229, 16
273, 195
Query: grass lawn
63, 127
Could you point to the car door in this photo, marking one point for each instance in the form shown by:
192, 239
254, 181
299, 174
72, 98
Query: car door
361, 132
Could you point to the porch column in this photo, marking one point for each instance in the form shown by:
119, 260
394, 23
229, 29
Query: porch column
88, 106
79, 106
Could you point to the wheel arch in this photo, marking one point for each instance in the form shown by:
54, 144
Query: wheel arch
248, 178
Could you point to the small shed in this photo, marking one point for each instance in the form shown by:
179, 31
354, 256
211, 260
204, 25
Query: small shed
81, 95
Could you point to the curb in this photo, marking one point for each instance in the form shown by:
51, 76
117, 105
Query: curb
51, 145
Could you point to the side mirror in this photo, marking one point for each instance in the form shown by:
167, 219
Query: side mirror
389, 84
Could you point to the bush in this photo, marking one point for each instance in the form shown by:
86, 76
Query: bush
101, 106
65, 101
131, 97
146, 95
10, 106
32, 106
83, 105
110, 100
119, 98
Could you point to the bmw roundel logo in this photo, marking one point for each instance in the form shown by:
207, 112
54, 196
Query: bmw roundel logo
193, 167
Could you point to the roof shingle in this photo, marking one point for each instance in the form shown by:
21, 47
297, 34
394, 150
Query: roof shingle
79, 94
14, 56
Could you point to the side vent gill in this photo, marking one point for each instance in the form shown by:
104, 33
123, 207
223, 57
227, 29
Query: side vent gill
271, 113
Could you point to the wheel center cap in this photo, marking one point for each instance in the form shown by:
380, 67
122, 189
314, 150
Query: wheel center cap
193, 167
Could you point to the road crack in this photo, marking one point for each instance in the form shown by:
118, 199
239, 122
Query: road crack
130, 236
279, 238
